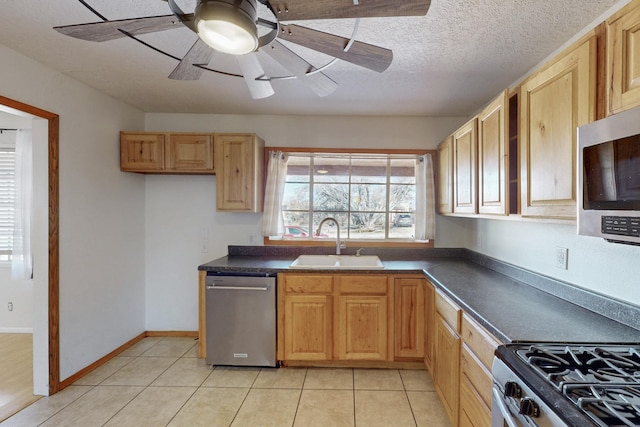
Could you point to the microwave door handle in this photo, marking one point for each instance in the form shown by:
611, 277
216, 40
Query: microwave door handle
506, 414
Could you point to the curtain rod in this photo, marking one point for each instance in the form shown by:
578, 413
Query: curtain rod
3, 129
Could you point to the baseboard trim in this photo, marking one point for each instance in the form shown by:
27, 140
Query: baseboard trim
73, 378
172, 334
16, 330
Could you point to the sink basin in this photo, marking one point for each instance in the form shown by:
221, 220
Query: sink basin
352, 262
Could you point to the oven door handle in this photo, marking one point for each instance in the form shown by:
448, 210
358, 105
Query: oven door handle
502, 406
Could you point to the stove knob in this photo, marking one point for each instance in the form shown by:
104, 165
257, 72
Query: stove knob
529, 407
512, 389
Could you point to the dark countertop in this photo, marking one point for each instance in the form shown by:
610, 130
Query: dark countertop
511, 309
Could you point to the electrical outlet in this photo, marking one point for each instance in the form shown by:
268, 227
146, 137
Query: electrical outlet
562, 258
10, 306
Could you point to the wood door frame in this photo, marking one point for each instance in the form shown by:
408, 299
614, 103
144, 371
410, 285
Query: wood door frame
54, 217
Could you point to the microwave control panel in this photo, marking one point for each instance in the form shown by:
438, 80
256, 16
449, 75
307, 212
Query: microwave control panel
621, 225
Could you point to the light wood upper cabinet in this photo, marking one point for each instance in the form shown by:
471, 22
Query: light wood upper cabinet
623, 59
177, 153
191, 152
239, 172
493, 152
553, 103
409, 317
445, 176
142, 152
464, 168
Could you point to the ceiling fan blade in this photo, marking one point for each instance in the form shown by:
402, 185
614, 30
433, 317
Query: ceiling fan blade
110, 30
251, 71
366, 55
320, 83
199, 54
289, 10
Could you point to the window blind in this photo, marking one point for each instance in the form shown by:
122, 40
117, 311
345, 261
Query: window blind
7, 194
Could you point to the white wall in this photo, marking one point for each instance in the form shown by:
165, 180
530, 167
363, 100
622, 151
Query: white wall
606, 268
101, 216
180, 208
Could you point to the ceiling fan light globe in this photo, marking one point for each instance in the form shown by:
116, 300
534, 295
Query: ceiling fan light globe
227, 27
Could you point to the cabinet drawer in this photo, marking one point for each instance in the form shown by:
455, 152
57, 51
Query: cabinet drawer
478, 340
448, 310
476, 373
308, 284
363, 285
473, 412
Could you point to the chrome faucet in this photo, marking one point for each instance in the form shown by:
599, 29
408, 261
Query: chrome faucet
338, 244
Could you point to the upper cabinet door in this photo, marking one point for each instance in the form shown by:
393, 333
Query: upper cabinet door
492, 157
464, 168
191, 152
239, 172
445, 176
142, 152
623, 59
553, 103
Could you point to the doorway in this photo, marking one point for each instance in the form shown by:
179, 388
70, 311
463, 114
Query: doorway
46, 351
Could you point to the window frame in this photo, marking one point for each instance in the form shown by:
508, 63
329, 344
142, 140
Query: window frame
397, 243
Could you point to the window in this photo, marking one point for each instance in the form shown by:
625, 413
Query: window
371, 195
7, 192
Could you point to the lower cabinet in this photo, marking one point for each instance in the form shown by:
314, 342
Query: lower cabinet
347, 317
475, 374
446, 370
308, 327
409, 317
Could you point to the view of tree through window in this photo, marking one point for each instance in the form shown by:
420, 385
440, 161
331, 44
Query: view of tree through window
372, 196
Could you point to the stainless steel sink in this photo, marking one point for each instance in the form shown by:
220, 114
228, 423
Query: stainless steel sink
346, 262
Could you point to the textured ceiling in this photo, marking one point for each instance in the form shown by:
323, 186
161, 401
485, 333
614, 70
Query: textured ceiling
447, 63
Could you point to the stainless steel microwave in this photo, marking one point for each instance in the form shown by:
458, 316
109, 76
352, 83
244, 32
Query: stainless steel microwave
609, 178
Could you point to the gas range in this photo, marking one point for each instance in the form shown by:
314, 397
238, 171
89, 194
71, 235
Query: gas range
573, 385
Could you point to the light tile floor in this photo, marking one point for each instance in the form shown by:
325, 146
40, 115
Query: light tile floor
161, 382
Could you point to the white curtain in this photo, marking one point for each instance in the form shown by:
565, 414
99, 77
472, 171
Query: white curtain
272, 220
21, 257
425, 217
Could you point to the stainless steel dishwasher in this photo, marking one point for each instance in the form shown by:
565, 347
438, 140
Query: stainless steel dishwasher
241, 319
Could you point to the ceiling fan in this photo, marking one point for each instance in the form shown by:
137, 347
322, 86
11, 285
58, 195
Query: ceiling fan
231, 27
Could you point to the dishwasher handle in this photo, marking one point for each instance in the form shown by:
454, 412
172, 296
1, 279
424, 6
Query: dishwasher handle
237, 288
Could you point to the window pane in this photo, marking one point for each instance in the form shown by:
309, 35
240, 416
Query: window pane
298, 169
331, 169
296, 197
295, 219
329, 229
330, 197
368, 197
367, 225
369, 170
402, 198
403, 171
401, 226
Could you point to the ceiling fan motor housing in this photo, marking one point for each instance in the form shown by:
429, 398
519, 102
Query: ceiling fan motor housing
239, 14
